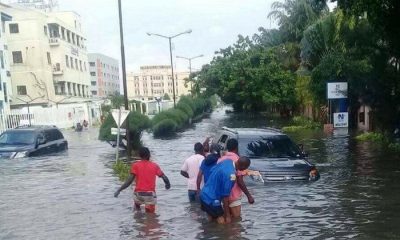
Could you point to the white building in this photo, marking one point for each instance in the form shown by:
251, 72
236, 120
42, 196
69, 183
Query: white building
5, 83
156, 81
104, 75
49, 63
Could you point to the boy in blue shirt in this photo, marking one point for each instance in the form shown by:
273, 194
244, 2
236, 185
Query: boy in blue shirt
214, 196
208, 164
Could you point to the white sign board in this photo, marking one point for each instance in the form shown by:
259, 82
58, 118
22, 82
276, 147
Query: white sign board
337, 90
341, 120
122, 131
124, 115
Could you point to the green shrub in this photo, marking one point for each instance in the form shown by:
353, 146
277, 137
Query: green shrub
185, 108
305, 122
371, 136
122, 169
187, 100
165, 128
137, 124
293, 128
394, 147
159, 117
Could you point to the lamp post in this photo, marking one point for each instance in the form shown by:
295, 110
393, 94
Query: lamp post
190, 68
28, 104
170, 54
121, 32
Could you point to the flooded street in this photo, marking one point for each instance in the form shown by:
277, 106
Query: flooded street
70, 195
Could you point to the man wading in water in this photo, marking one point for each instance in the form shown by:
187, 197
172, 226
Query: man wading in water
145, 172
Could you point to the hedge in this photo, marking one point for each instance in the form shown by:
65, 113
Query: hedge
166, 127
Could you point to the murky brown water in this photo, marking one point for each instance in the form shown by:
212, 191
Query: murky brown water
70, 196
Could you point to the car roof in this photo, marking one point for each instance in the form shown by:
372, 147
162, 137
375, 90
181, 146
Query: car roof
32, 128
255, 131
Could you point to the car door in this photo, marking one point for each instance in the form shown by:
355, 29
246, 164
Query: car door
40, 148
51, 143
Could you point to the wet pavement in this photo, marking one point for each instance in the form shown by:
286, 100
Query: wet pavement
70, 195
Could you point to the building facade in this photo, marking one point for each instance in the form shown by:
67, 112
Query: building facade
104, 75
48, 58
156, 81
5, 83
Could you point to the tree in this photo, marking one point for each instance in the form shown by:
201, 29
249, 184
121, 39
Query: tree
166, 97
294, 16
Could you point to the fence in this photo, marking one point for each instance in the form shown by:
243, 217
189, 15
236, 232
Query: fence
62, 116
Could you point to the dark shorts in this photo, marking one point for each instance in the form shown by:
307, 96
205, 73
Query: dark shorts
213, 211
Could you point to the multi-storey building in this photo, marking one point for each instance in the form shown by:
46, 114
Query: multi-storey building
5, 87
104, 75
48, 57
156, 81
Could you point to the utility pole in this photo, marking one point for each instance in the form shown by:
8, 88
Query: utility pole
121, 32
190, 68
170, 54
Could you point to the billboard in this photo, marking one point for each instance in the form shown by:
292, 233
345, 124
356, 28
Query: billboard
341, 120
337, 90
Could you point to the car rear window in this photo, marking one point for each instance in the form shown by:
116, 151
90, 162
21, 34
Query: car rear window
269, 147
53, 134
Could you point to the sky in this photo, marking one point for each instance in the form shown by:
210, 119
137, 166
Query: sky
215, 24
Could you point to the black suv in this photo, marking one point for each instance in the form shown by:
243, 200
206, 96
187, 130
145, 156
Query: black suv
31, 141
272, 153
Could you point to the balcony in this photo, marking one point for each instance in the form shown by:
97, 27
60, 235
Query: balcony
57, 71
54, 41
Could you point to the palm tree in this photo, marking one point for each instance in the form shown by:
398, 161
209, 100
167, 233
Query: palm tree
294, 16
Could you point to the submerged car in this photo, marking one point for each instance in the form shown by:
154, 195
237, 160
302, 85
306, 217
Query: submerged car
272, 153
31, 141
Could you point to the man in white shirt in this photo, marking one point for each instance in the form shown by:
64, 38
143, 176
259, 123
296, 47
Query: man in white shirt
190, 170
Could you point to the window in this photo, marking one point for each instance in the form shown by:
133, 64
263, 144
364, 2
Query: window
63, 33
84, 65
276, 147
66, 60
92, 64
17, 56
68, 36
80, 65
93, 83
92, 73
21, 90
76, 64
5, 92
14, 28
72, 62
48, 58
45, 30
1, 59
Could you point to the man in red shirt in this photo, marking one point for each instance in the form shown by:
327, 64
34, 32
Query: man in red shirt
145, 172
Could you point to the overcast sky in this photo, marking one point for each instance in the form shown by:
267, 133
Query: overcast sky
215, 24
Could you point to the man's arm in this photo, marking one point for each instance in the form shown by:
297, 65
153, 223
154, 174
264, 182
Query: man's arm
126, 184
185, 174
227, 213
243, 187
166, 181
199, 179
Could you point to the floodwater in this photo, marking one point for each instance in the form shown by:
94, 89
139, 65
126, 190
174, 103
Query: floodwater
70, 195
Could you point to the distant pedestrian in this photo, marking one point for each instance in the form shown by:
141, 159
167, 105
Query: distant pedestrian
214, 196
206, 146
208, 164
235, 199
190, 170
145, 172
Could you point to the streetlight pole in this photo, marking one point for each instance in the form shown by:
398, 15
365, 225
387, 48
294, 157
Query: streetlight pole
121, 32
170, 54
190, 68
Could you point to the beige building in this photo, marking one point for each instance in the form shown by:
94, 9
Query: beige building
48, 57
5, 80
156, 81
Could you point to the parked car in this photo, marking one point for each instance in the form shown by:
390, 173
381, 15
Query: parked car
31, 141
271, 152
